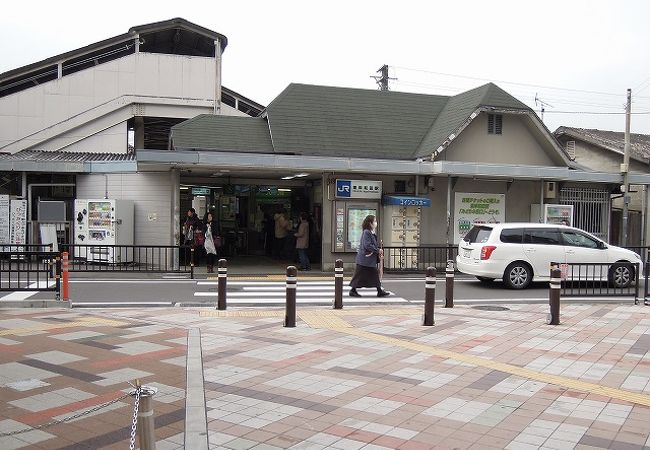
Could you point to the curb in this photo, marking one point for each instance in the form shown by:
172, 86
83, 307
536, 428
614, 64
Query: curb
34, 304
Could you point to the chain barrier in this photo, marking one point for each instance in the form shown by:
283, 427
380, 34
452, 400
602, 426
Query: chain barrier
65, 419
136, 406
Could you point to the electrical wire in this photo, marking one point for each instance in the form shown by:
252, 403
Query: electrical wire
583, 91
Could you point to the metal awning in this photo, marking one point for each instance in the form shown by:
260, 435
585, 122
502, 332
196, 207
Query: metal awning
266, 162
68, 162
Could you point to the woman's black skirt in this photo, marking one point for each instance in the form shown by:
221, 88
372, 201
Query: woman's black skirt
365, 276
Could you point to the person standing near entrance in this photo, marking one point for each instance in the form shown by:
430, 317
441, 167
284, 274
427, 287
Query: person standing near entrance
282, 227
302, 241
190, 226
368, 256
212, 240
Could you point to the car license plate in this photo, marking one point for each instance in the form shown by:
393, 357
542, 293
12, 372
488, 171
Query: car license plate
467, 253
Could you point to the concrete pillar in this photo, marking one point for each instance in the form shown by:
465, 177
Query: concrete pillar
139, 132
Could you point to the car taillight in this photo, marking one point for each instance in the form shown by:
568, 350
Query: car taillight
486, 251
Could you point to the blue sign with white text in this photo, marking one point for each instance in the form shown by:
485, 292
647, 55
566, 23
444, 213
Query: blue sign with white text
343, 188
406, 201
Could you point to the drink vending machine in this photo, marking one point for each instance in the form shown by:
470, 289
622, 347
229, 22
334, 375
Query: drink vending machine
104, 226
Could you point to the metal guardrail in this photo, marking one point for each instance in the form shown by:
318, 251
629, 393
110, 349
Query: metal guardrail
620, 279
22, 270
418, 259
131, 258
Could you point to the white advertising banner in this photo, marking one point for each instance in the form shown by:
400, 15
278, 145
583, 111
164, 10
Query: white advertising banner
18, 221
471, 208
5, 234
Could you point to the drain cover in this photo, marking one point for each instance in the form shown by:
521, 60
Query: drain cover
491, 308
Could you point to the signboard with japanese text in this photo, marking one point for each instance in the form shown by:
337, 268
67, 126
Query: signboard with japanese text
358, 189
402, 200
472, 208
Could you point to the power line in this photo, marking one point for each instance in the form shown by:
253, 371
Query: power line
583, 91
639, 113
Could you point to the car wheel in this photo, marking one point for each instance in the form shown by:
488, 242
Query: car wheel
518, 275
485, 279
621, 275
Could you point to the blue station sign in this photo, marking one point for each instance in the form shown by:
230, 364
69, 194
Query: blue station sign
406, 200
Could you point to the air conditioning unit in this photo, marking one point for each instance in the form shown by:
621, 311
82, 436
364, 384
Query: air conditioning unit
550, 189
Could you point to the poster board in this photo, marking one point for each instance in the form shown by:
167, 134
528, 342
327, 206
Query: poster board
5, 232
471, 208
48, 235
558, 214
18, 222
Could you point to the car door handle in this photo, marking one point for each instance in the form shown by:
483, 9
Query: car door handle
529, 250
571, 252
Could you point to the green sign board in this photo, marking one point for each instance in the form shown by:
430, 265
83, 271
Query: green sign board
200, 191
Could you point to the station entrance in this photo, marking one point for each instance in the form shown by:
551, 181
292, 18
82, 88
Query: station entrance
247, 211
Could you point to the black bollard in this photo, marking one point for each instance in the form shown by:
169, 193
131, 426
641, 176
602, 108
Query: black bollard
554, 297
290, 312
338, 284
222, 273
449, 284
429, 296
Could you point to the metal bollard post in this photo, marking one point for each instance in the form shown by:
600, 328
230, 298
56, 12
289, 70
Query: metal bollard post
338, 284
58, 277
290, 312
449, 284
222, 271
429, 296
554, 297
145, 420
192, 263
66, 277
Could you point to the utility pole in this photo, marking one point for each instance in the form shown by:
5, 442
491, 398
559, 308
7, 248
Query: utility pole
625, 167
383, 79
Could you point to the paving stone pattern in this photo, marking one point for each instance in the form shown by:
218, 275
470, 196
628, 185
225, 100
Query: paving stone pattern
309, 387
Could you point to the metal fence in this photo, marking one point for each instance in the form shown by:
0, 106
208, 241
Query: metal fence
24, 270
131, 258
417, 259
620, 279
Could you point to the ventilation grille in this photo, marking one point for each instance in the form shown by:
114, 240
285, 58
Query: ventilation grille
495, 124
571, 149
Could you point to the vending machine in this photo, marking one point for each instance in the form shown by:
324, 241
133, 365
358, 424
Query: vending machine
405, 216
106, 226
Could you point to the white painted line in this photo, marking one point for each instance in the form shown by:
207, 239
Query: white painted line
328, 301
24, 295
206, 294
124, 304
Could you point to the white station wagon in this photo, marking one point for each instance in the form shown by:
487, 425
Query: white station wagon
520, 253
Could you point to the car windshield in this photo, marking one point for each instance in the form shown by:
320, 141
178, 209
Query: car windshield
478, 234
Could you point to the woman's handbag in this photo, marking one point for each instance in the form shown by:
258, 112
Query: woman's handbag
199, 238
217, 241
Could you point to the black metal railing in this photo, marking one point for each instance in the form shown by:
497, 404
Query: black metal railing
131, 258
417, 259
22, 270
619, 279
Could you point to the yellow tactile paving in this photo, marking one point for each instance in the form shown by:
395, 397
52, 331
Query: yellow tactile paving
96, 322
323, 319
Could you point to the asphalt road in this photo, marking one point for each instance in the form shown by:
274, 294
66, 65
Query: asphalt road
182, 291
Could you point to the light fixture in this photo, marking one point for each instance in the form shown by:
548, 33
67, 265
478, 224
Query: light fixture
300, 175
290, 177
284, 190
184, 188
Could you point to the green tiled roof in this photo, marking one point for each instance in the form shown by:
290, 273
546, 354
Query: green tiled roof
362, 123
224, 133
343, 122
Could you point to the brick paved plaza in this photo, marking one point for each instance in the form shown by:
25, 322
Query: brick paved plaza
359, 378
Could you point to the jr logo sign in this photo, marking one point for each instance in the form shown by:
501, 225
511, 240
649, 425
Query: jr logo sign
343, 188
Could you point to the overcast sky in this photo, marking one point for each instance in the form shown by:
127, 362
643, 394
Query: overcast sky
578, 57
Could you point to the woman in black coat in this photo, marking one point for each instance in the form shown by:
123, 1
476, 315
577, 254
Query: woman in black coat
368, 255
212, 239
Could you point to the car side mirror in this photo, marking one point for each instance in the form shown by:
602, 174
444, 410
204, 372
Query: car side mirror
602, 246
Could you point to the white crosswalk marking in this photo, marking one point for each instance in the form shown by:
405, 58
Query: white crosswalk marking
274, 293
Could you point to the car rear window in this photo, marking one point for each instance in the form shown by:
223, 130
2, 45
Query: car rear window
478, 234
512, 235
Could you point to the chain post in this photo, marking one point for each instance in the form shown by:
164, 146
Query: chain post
58, 277
554, 297
449, 284
66, 276
192, 263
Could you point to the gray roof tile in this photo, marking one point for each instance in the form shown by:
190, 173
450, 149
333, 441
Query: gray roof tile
611, 140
